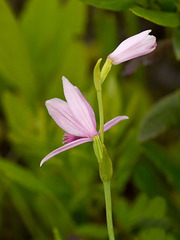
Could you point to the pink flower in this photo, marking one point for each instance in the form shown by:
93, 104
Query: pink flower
135, 46
76, 117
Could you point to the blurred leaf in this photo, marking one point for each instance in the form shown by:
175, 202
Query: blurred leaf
176, 43
153, 233
163, 116
111, 99
56, 234
167, 5
144, 179
57, 26
24, 210
15, 67
21, 176
166, 19
92, 231
156, 208
142, 213
18, 114
29, 181
106, 33
126, 162
115, 5
163, 162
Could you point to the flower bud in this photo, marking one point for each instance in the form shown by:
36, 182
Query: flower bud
135, 46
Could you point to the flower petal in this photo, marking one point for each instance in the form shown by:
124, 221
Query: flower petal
113, 122
65, 147
62, 115
135, 46
80, 108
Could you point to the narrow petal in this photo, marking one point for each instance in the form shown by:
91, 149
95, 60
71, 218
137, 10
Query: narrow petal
65, 147
113, 122
62, 115
80, 108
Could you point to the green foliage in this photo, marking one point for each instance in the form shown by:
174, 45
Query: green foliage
164, 116
64, 198
176, 43
166, 19
115, 5
15, 65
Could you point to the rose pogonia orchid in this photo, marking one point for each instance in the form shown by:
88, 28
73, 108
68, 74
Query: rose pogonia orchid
135, 46
76, 117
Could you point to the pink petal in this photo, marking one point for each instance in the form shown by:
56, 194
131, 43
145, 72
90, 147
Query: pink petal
62, 115
113, 122
135, 46
65, 147
80, 108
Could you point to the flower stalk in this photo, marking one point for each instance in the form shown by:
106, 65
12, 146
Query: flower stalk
105, 164
107, 194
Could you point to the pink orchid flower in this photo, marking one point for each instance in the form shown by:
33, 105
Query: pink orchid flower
135, 46
76, 117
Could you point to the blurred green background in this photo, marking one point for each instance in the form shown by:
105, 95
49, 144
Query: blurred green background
42, 40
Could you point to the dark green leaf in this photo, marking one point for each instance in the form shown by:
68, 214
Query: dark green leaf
163, 162
166, 19
92, 231
162, 117
115, 5
176, 43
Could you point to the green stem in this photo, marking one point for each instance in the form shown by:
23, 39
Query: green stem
101, 115
107, 193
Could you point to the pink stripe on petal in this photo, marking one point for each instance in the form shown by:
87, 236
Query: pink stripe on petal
113, 122
78, 106
62, 115
65, 147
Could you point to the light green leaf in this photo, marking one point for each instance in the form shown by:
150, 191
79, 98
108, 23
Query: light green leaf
58, 25
166, 19
163, 116
56, 234
15, 66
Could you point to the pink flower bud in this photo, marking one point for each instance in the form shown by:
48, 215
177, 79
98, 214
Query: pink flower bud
135, 46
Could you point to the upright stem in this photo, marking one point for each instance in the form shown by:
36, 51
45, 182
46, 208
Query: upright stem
101, 115
107, 193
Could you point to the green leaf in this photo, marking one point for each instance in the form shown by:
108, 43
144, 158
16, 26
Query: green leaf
127, 161
92, 231
15, 66
25, 178
56, 234
176, 43
163, 116
152, 233
166, 19
21, 176
163, 162
58, 25
115, 5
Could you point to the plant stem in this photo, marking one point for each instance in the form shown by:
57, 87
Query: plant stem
101, 115
107, 193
